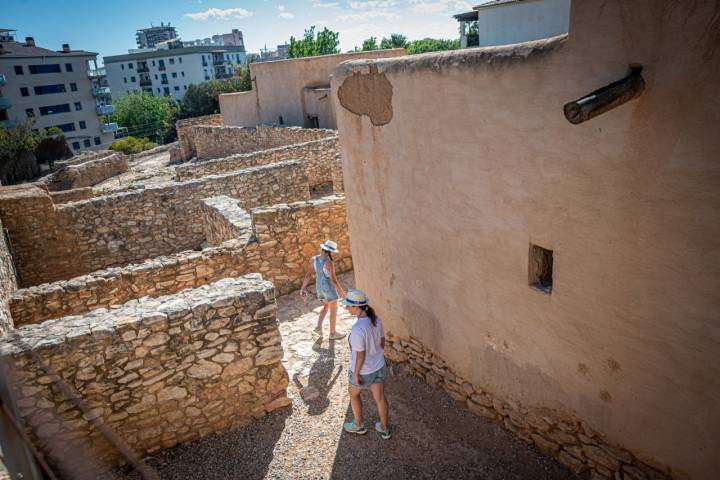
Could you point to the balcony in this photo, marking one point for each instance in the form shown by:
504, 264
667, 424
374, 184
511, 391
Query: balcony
109, 127
145, 82
94, 73
143, 68
164, 81
161, 67
105, 109
2, 79
4, 103
101, 91
218, 61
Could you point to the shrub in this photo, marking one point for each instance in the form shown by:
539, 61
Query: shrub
130, 145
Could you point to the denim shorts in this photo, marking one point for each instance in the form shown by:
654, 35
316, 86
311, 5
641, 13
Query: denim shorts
327, 293
378, 376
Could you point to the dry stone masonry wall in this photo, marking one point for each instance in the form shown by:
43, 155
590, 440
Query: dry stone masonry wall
8, 282
568, 439
158, 371
88, 173
224, 219
186, 138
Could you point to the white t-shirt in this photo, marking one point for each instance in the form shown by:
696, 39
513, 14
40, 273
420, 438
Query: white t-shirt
366, 338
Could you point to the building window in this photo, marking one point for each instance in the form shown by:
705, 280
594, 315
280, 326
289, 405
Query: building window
177, 89
132, 79
29, 112
76, 145
158, 89
540, 269
122, 66
182, 74
130, 66
125, 79
67, 127
185, 87
47, 89
46, 68
78, 106
172, 61
280, 120
86, 142
166, 91
68, 67
180, 59
19, 70
174, 74
24, 92
54, 109
156, 77
83, 125
73, 87
97, 140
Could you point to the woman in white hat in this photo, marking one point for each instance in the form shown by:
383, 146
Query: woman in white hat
367, 364
326, 285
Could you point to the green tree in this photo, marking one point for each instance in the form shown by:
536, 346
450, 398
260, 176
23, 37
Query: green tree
473, 35
325, 42
203, 98
145, 115
396, 40
432, 45
370, 44
130, 145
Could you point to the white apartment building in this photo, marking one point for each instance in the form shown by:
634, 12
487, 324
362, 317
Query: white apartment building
50, 88
169, 71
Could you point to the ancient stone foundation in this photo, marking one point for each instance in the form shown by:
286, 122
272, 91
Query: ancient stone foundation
566, 438
87, 173
157, 371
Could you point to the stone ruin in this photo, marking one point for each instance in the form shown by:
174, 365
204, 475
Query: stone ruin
156, 306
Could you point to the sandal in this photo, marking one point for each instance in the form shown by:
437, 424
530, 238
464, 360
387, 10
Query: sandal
385, 434
350, 427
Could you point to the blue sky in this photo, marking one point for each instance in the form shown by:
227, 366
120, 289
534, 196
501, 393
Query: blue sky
108, 27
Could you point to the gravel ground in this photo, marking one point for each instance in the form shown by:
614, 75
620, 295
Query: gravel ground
433, 435
146, 171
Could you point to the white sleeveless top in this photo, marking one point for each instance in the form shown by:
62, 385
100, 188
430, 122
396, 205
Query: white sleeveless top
366, 338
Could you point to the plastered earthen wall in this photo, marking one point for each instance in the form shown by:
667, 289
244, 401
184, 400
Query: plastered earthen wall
320, 157
80, 237
442, 212
157, 372
288, 236
278, 89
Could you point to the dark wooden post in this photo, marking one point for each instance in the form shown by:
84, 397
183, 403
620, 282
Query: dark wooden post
606, 98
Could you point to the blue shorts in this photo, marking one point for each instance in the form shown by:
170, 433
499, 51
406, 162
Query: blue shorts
378, 376
327, 293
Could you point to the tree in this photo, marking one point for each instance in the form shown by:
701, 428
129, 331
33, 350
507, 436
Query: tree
473, 35
432, 45
325, 42
370, 44
203, 98
145, 115
130, 145
396, 40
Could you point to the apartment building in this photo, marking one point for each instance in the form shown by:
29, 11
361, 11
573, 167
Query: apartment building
169, 71
234, 38
51, 88
151, 37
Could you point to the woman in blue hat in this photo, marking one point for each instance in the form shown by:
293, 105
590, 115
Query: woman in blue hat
367, 364
327, 286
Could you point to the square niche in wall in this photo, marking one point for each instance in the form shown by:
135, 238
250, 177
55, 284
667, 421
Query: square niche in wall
540, 268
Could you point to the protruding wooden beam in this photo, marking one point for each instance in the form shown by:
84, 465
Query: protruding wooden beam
606, 98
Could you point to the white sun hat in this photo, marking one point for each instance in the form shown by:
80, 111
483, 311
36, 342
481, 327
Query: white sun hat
355, 298
329, 246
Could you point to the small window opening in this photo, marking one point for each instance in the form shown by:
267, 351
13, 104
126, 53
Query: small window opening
540, 269
280, 120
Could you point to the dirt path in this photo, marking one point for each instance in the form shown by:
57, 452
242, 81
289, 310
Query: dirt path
146, 171
433, 436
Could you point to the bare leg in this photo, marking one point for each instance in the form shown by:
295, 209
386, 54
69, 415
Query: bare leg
333, 316
356, 404
323, 312
378, 392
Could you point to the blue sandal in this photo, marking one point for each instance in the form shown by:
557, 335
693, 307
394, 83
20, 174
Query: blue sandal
350, 427
385, 434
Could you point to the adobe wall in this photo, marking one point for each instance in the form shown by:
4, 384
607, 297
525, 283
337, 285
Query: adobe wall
87, 173
279, 88
290, 236
628, 202
222, 141
158, 372
320, 158
125, 227
186, 140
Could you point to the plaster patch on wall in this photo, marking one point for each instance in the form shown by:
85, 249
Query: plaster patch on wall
368, 94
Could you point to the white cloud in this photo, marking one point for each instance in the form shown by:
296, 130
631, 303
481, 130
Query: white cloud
428, 7
320, 23
365, 16
319, 4
368, 4
286, 15
220, 13
463, 6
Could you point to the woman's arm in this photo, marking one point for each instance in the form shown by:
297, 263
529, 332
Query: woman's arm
333, 278
309, 274
359, 360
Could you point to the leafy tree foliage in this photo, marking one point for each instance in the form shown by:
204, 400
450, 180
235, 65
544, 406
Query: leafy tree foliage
130, 145
202, 99
370, 44
396, 40
325, 42
432, 45
18, 144
145, 115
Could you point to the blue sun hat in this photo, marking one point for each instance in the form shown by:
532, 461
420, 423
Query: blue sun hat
355, 298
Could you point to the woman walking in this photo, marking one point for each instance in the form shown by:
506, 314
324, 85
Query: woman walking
327, 286
367, 364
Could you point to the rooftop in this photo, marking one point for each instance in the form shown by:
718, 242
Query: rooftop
19, 50
173, 52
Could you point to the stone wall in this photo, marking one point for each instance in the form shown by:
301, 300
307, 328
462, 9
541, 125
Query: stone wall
125, 227
186, 138
224, 219
72, 195
88, 173
573, 442
157, 372
8, 282
320, 157
290, 236
222, 141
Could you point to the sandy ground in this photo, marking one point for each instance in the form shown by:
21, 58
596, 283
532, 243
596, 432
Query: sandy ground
433, 435
147, 171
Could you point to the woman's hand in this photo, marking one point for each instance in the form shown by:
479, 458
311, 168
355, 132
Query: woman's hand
358, 379
304, 295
